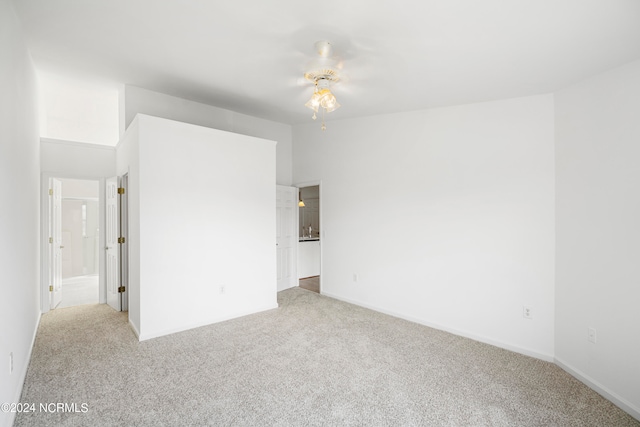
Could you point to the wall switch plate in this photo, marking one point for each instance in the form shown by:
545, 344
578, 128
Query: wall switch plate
222, 289
10, 363
355, 277
526, 312
591, 335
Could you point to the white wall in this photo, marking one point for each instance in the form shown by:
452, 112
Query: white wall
196, 232
137, 100
77, 160
19, 210
445, 215
80, 189
76, 109
598, 230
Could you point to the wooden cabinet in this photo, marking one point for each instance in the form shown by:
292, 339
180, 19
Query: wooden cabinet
308, 258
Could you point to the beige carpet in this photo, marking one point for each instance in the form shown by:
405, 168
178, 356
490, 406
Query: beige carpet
313, 361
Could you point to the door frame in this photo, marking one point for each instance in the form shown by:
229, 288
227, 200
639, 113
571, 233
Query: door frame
45, 233
320, 222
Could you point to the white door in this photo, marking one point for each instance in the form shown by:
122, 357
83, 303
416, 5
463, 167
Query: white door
55, 212
286, 236
112, 246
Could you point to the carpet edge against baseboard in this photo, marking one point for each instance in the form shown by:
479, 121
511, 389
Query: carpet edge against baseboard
619, 401
622, 403
255, 310
133, 328
480, 338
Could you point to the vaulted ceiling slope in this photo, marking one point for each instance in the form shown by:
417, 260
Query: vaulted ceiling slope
249, 55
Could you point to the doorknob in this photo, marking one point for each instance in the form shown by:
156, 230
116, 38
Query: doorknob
61, 247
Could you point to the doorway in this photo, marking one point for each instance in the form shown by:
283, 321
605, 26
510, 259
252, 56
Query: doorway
80, 235
309, 238
72, 267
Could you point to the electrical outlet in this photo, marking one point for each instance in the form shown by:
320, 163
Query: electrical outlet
526, 312
355, 277
222, 289
10, 363
591, 335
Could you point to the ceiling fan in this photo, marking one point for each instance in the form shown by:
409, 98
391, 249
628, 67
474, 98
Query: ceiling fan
323, 73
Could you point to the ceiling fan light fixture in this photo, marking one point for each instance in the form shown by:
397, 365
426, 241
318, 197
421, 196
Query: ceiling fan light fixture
324, 99
314, 102
323, 77
328, 101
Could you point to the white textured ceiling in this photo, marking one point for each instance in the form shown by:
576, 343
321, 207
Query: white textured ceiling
249, 55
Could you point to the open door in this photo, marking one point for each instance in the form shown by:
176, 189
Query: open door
112, 244
55, 241
286, 236
124, 246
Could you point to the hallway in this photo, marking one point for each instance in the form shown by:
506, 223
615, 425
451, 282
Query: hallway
80, 290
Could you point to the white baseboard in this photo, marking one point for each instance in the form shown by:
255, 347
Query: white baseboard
135, 330
144, 337
622, 403
23, 374
486, 340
